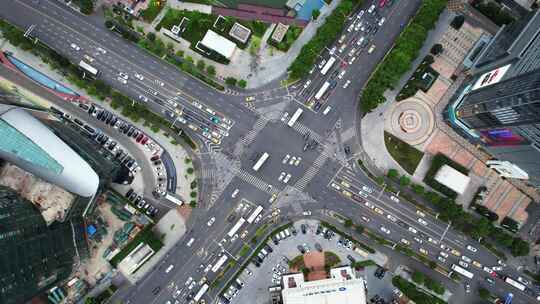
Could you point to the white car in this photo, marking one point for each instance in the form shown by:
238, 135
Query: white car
466, 258
381, 22
444, 254
122, 80
88, 58
394, 198
347, 83
169, 268
360, 14
406, 242
371, 9
284, 116
471, 248
123, 75
332, 50
411, 229
422, 221
287, 178
235, 193
285, 159
307, 84
441, 259
359, 42
367, 189
211, 221
322, 63
391, 217
522, 280
306, 213
352, 60
341, 74
188, 281
497, 268
102, 51
488, 270
297, 161
350, 28
160, 83
419, 240
422, 214
385, 230
371, 49
139, 76
281, 176
352, 51
463, 264
75, 47
143, 98
293, 160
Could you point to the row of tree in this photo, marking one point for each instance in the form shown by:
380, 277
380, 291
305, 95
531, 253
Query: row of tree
327, 33
405, 51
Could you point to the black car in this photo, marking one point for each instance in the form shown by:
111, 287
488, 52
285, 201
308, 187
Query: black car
318, 247
317, 106
294, 232
128, 193
347, 150
319, 230
130, 132
303, 228
257, 264
353, 260
268, 248
275, 240
156, 290
301, 249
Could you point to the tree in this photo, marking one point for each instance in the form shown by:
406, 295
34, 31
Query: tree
242, 83
87, 6
360, 229
231, 81
109, 24
484, 293
519, 247
315, 14
510, 224
404, 180
457, 22
151, 36
180, 53
436, 49
193, 194
348, 223
392, 173
418, 277
201, 64
211, 70
193, 204
432, 264
418, 189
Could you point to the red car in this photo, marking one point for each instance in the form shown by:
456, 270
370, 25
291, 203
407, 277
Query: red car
382, 3
140, 137
154, 158
144, 140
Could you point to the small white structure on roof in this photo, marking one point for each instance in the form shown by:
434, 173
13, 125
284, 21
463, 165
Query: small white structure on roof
452, 179
219, 44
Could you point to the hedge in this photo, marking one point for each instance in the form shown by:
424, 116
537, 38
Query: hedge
418, 296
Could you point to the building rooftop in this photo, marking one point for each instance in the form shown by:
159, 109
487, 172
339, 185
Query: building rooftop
219, 44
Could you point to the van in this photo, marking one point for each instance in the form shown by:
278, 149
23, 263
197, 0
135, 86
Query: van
287, 232
190, 242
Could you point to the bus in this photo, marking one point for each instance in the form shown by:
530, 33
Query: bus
261, 161
236, 227
514, 283
328, 65
254, 215
201, 293
89, 69
173, 199
462, 271
322, 90
295, 117
220, 263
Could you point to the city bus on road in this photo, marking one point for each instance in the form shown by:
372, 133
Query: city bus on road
322, 90
173, 199
201, 293
236, 227
462, 271
514, 283
295, 117
254, 215
261, 161
219, 263
328, 65
88, 69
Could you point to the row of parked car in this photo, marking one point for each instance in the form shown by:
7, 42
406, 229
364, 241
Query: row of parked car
141, 203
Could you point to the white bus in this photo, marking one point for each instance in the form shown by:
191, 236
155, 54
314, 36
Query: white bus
295, 117
201, 293
261, 161
173, 199
516, 284
220, 263
322, 90
236, 227
254, 215
328, 65
462, 271
88, 68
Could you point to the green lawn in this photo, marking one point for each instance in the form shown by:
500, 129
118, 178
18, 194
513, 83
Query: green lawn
290, 37
406, 156
153, 9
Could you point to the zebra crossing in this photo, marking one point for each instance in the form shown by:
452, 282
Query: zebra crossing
231, 92
311, 172
250, 136
302, 129
255, 181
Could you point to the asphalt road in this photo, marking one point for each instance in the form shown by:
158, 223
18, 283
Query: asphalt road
253, 129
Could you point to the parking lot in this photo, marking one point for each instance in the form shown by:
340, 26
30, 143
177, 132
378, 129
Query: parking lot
256, 280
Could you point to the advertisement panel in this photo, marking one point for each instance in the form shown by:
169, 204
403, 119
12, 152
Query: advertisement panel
491, 77
502, 137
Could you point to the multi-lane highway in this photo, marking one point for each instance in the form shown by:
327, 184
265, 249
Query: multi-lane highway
321, 176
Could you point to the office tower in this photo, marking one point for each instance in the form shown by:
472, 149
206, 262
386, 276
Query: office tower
498, 106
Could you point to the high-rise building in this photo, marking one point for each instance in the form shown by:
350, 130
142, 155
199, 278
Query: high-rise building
498, 106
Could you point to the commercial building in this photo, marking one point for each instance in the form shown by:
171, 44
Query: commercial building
498, 106
342, 287
452, 179
219, 44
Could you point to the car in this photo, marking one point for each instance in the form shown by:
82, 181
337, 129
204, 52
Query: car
306, 213
332, 51
250, 98
422, 214
360, 41
423, 251
467, 287
497, 268
301, 249
287, 178
88, 58
322, 63
391, 217
523, 280
341, 74
489, 270
122, 80
351, 52
422, 221
385, 230
139, 76
293, 159
75, 47
286, 159
379, 211
455, 252
371, 9
284, 116
371, 49
490, 281
156, 290
405, 241
441, 259
367, 189
444, 254
123, 75
471, 248
466, 259
281, 176
350, 28
102, 51
463, 264
169, 268
501, 262
235, 193
297, 161
307, 83
306, 247
347, 83
394, 198
211, 221
352, 60
381, 22
419, 240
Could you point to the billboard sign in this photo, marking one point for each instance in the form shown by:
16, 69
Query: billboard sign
491, 77
502, 137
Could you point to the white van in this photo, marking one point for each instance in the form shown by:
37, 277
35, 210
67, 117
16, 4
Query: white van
327, 110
